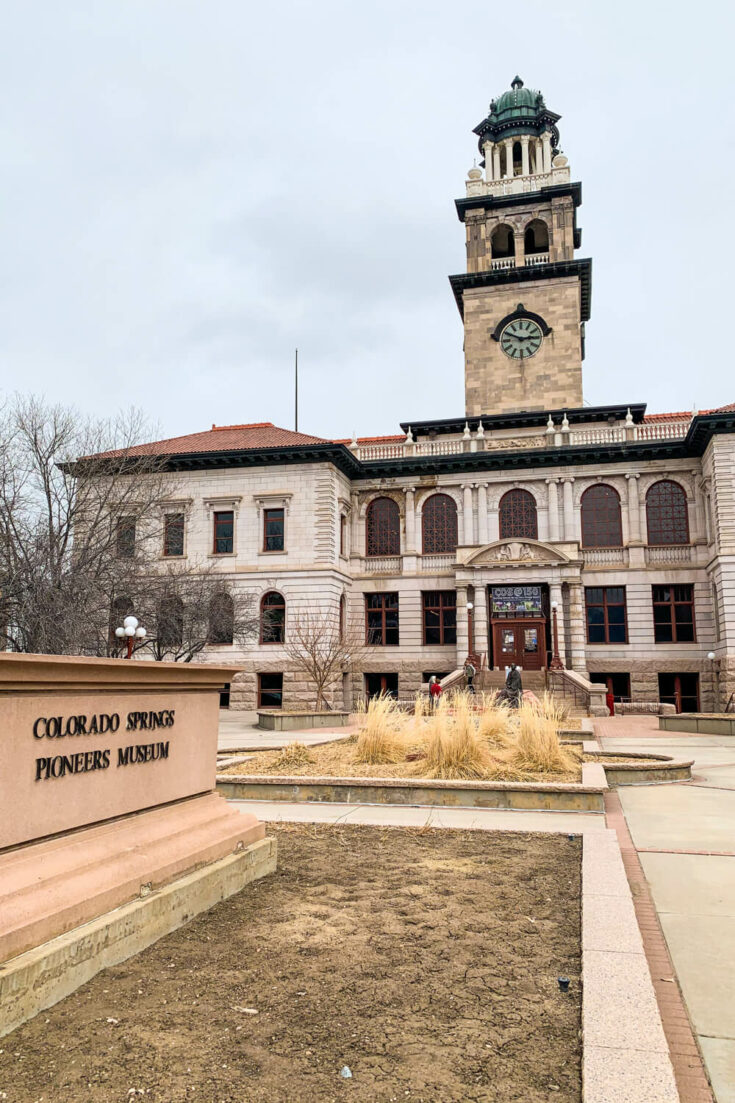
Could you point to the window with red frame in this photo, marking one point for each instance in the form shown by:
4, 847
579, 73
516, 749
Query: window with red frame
602, 526
224, 532
272, 618
673, 614
173, 534
440, 616
666, 514
606, 614
381, 618
273, 529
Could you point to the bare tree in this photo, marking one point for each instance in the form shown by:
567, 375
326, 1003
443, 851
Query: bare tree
183, 609
72, 491
323, 647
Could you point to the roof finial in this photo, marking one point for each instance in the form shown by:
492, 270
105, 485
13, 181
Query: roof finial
516, 82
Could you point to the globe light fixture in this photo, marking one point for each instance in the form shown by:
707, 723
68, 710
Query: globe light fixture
131, 630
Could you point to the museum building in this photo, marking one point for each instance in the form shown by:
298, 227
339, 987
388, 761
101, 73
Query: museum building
472, 535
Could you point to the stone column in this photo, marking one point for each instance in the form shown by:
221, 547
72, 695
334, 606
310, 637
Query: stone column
355, 525
569, 533
462, 626
467, 526
493, 524
482, 528
577, 628
480, 611
489, 148
553, 485
524, 154
497, 174
508, 144
634, 510
410, 548
546, 140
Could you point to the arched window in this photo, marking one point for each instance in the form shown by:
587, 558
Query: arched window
221, 619
536, 237
439, 525
602, 526
667, 514
170, 622
502, 242
272, 618
383, 528
517, 516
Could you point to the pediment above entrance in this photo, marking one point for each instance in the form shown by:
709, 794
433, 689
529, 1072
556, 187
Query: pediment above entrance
520, 552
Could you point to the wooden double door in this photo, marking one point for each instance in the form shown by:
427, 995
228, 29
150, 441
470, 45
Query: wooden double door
520, 641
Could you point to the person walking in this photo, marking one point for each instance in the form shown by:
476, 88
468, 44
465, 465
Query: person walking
514, 687
435, 690
469, 672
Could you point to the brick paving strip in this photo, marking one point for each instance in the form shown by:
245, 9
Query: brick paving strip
691, 1078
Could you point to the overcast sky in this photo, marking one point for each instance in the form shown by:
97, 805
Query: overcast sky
191, 188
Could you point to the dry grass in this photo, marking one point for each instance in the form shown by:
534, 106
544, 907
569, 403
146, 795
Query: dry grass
454, 747
382, 737
536, 746
292, 757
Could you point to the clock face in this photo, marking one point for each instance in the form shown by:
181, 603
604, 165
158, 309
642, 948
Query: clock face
521, 338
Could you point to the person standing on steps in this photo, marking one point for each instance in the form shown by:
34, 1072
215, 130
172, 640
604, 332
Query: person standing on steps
469, 673
514, 687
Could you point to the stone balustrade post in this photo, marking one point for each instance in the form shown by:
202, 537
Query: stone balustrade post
525, 139
497, 174
489, 149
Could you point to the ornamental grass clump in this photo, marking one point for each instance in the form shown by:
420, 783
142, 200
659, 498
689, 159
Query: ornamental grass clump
454, 748
381, 738
293, 756
537, 745
494, 723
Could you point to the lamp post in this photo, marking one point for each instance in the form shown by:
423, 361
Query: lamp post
131, 630
470, 629
556, 663
715, 678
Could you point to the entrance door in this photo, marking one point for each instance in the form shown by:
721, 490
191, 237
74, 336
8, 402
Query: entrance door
519, 641
680, 690
377, 684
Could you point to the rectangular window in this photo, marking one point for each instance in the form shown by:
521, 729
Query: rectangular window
617, 684
440, 616
381, 615
270, 691
273, 530
125, 538
173, 534
673, 614
606, 619
224, 532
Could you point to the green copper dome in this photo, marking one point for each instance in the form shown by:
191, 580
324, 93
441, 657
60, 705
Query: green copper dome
520, 110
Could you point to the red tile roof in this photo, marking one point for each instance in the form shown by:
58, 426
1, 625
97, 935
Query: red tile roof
397, 438
685, 415
224, 438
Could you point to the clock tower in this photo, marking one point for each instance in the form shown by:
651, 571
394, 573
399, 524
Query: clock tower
525, 298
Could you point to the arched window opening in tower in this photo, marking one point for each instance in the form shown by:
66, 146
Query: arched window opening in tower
536, 237
439, 525
517, 516
602, 525
502, 242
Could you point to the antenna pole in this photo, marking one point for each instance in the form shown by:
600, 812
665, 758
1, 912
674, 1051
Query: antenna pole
296, 391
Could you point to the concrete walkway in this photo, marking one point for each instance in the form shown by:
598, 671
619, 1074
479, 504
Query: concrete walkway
685, 838
239, 731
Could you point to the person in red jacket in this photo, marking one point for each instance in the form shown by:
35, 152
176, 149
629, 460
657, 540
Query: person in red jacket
435, 690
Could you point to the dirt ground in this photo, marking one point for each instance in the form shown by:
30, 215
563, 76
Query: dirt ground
337, 759
426, 961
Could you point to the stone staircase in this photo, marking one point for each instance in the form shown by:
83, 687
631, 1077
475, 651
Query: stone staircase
534, 680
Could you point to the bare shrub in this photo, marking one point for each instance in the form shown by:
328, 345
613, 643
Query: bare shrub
537, 745
293, 756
